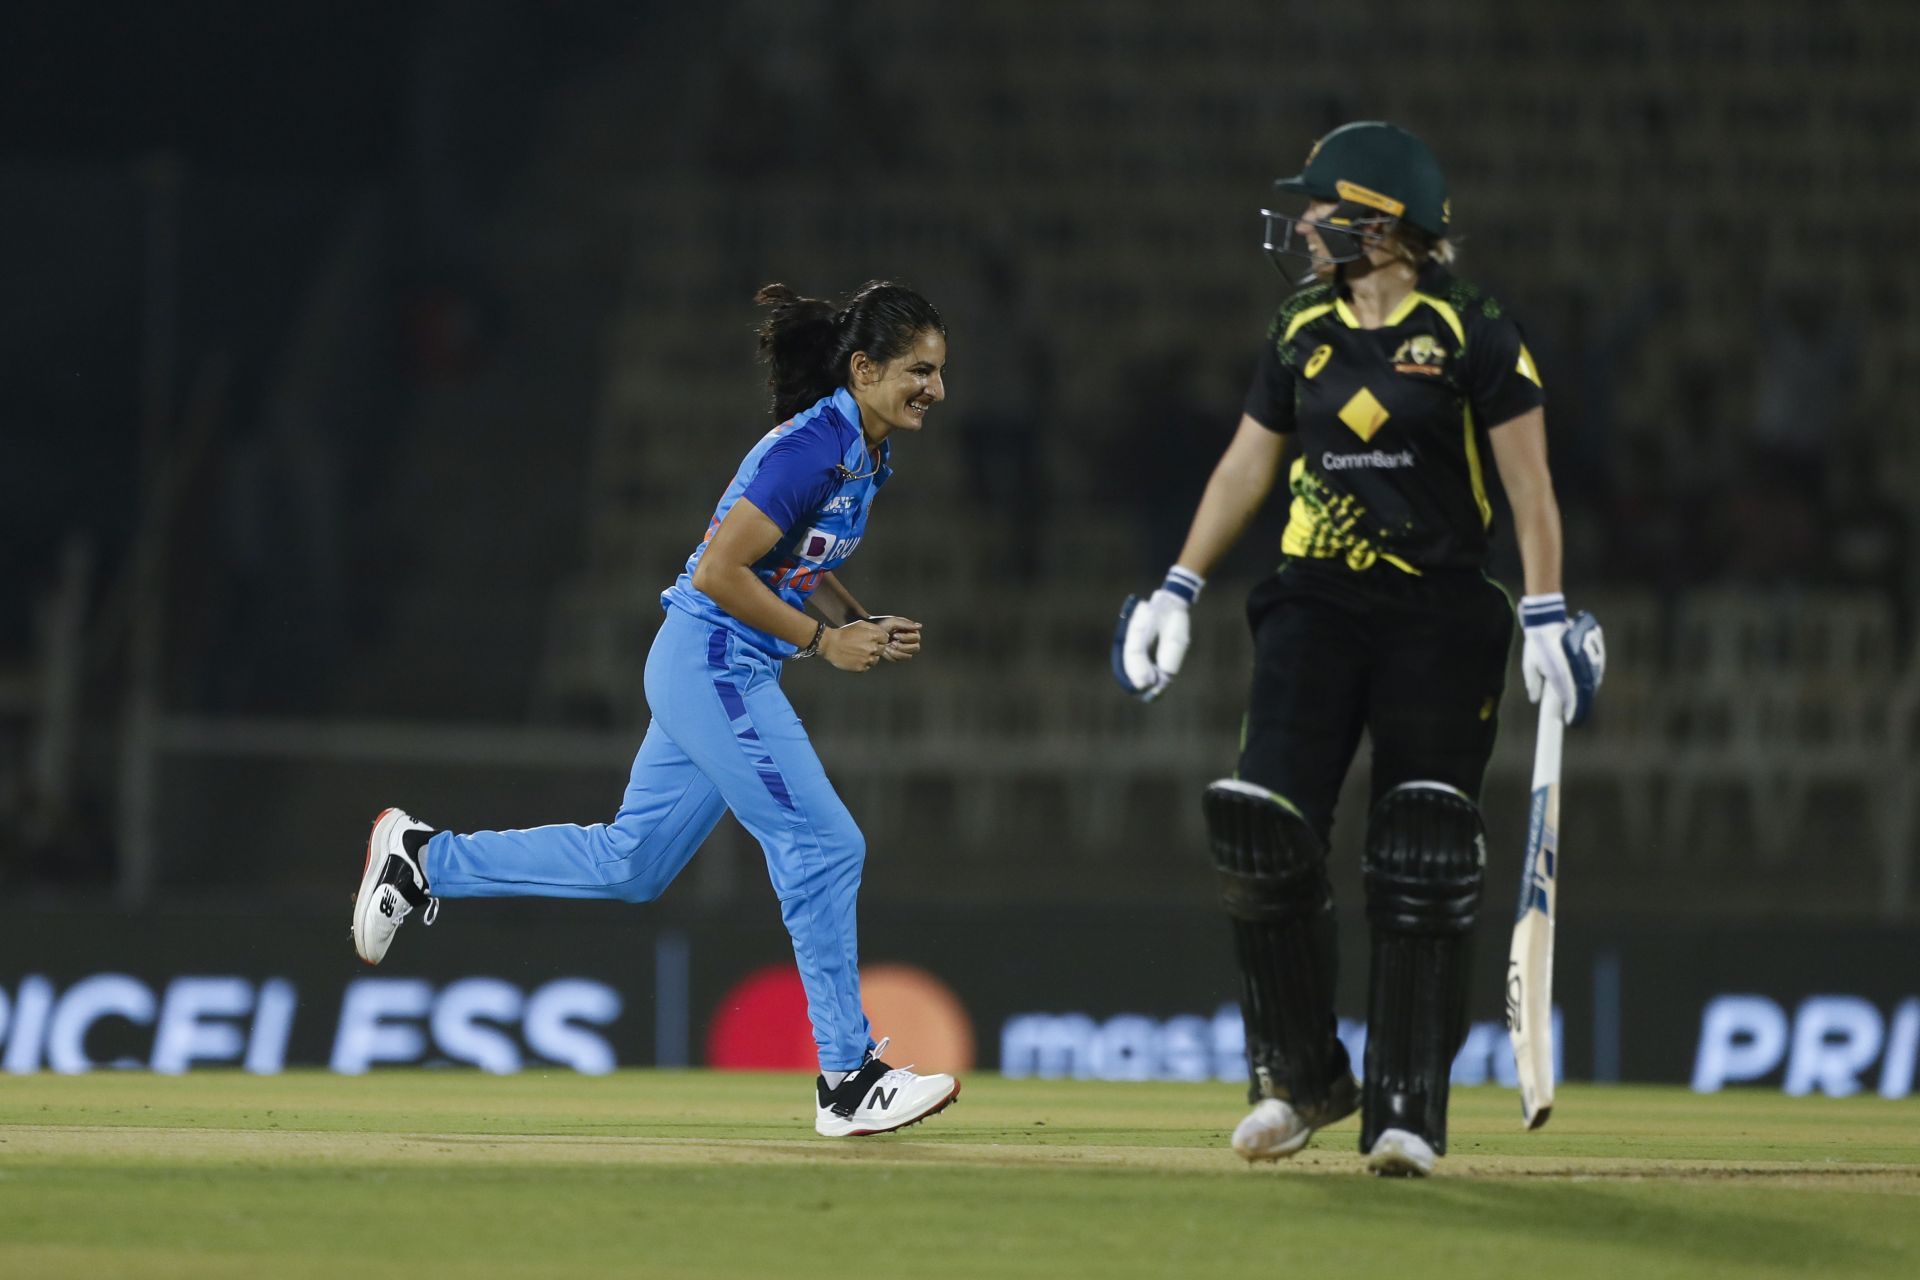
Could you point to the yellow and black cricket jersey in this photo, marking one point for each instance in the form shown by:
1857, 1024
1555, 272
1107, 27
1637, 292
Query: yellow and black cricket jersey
1392, 422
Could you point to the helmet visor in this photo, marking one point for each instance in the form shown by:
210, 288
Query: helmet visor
1297, 244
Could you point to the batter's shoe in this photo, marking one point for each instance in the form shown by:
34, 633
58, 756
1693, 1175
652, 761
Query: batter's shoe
391, 886
1276, 1129
879, 1099
1400, 1153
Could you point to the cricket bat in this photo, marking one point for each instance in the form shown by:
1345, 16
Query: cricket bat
1530, 960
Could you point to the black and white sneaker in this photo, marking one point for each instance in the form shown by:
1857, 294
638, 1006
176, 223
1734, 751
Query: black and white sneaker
391, 886
878, 1098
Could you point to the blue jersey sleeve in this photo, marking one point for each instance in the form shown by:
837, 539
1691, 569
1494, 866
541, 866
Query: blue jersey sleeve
795, 477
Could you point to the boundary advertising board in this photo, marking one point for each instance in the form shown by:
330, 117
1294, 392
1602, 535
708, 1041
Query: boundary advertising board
1129, 994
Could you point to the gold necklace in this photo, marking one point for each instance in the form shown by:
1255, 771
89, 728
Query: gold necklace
847, 474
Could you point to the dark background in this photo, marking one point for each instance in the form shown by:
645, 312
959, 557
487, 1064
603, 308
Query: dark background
367, 369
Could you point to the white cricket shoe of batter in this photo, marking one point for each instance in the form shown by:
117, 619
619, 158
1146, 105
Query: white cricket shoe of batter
391, 886
1273, 1130
1398, 1153
879, 1099
1276, 1129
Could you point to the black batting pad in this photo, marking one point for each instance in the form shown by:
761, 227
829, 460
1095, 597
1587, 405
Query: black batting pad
1273, 884
1425, 864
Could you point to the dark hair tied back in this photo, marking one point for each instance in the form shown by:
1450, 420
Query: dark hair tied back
807, 342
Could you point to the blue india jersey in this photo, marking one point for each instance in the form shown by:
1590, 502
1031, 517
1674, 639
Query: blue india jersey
813, 477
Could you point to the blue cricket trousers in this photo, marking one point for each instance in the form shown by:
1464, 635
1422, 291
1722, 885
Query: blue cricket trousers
723, 737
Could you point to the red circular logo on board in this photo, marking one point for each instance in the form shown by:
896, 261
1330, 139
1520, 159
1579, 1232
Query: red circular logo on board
761, 1023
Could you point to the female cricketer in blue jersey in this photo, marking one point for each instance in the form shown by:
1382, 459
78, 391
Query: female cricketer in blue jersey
724, 737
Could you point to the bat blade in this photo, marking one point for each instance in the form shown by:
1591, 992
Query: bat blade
1530, 1014
1530, 958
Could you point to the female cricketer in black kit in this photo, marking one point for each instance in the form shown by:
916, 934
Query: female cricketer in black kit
1397, 381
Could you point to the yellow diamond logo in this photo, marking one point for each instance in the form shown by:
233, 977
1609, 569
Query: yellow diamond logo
1364, 414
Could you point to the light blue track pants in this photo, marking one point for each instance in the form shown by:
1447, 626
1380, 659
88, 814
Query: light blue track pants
723, 737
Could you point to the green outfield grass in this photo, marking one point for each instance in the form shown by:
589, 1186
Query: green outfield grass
647, 1173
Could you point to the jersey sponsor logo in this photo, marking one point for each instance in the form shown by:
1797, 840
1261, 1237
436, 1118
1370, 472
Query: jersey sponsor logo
1317, 361
842, 503
1423, 354
1376, 459
1364, 414
817, 546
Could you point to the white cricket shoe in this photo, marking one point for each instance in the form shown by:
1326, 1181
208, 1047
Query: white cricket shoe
1398, 1153
1273, 1130
390, 888
879, 1099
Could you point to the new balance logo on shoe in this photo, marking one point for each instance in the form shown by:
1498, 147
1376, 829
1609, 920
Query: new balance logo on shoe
879, 1099
392, 886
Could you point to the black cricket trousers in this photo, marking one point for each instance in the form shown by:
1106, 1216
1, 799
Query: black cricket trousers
1418, 662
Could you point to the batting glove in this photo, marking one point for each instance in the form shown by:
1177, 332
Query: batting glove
1569, 657
1150, 642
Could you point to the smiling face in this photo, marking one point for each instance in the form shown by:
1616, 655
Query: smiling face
895, 395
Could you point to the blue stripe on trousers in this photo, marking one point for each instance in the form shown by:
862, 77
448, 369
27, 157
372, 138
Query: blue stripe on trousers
736, 707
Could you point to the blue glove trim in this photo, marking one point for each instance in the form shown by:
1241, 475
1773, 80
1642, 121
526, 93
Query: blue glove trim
1120, 647
1586, 677
1183, 583
1539, 610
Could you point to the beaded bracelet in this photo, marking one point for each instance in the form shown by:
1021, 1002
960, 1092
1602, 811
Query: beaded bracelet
813, 646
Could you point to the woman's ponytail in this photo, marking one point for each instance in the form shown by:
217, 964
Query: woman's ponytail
797, 341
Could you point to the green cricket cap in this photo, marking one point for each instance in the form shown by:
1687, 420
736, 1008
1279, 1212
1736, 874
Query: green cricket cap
1381, 166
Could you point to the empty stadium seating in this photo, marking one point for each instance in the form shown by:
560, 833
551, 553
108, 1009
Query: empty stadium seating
1653, 195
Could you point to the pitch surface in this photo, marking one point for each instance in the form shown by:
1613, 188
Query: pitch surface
696, 1174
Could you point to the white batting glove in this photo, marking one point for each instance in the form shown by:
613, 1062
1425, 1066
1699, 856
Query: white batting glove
1543, 620
1151, 641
